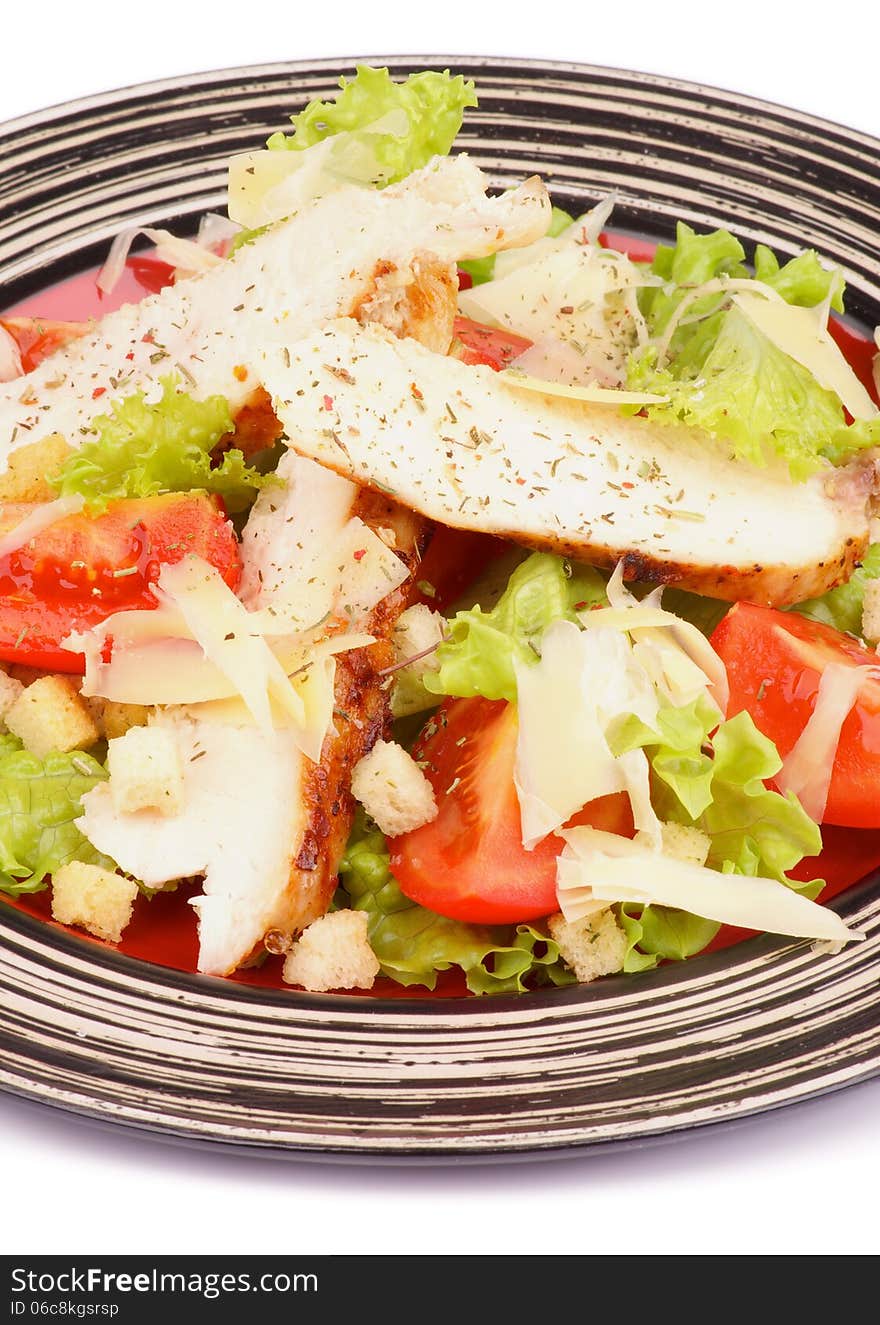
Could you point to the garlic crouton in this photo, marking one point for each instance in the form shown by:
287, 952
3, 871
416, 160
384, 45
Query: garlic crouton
50, 715
418, 629
593, 946
10, 690
114, 719
393, 789
30, 468
333, 953
871, 612
93, 898
146, 771
682, 843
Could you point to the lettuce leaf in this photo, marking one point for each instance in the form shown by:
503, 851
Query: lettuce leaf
39, 801
139, 450
748, 394
714, 780
393, 128
842, 607
724, 376
414, 944
478, 657
661, 933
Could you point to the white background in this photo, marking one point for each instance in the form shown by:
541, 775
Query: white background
801, 1180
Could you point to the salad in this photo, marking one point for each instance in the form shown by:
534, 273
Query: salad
420, 584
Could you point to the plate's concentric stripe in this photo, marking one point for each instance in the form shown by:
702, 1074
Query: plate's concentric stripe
718, 1038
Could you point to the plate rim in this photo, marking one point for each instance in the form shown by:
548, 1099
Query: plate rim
425, 1007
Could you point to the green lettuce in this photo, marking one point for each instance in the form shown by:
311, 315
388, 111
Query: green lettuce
842, 607
414, 944
393, 128
724, 376
712, 777
661, 933
139, 450
478, 657
39, 801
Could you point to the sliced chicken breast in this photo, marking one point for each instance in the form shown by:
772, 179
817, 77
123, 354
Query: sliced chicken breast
263, 823
471, 449
382, 255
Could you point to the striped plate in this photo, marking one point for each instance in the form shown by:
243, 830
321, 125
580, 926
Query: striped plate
758, 1026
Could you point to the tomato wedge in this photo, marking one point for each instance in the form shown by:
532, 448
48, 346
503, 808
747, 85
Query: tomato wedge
774, 663
469, 863
477, 343
38, 337
80, 570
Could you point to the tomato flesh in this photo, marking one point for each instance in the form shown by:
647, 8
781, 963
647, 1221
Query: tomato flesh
469, 863
774, 664
476, 343
80, 570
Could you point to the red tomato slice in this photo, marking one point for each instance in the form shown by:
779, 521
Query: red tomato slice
469, 863
150, 273
477, 343
81, 570
774, 663
38, 337
454, 559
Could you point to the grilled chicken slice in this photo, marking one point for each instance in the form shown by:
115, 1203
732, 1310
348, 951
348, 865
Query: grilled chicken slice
386, 255
468, 448
263, 823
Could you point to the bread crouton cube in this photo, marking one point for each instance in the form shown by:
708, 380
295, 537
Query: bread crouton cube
393, 789
146, 771
683, 843
50, 715
417, 629
114, 719
871, 612
333, 953
593, 946
93, 898
10, 690
30, 467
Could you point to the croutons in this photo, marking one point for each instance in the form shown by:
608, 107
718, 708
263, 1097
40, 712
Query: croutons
146, 771
113, 719
690, 844
871, 612
593, 946
30, 468
10, 690
94, 899
50, 715
417, 629
393, 789
333, 953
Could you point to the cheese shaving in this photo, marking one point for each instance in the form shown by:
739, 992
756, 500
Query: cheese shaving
185, 255
668, 644
44, 515
201, 646
799, 333
807, 768
566, 703
601, 867
597, 395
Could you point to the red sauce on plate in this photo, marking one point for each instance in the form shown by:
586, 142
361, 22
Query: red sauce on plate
163, 930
